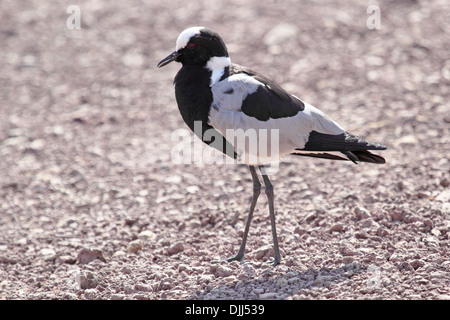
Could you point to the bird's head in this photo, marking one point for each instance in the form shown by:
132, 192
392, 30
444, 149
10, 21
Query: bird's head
196, 46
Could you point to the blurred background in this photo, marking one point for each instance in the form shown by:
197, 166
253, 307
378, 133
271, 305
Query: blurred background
86, 119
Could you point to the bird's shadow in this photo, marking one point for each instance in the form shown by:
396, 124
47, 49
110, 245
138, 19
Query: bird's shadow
281, 286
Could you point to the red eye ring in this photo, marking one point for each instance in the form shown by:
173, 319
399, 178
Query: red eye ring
191, 45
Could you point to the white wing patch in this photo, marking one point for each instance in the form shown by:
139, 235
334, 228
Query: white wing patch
229, 93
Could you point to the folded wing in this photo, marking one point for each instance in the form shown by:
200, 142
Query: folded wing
246, 100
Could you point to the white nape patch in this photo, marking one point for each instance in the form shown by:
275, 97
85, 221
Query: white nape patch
186, 35
217, 67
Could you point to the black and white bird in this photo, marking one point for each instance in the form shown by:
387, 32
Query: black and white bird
220, 95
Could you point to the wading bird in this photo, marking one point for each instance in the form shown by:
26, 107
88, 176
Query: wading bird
221, 95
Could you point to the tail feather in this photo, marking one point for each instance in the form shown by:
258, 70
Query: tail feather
355, 148
320, 155
355, 157
367, 156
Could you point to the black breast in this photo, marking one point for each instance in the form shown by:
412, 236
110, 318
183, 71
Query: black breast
194, 98
193, 94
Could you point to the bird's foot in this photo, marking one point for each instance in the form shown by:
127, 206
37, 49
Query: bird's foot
238, 257
274, 262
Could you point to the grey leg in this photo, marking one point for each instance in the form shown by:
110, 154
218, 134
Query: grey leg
256, 191
270, 198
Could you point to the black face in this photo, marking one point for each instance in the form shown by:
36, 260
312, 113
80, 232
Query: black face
198, 50
201, 48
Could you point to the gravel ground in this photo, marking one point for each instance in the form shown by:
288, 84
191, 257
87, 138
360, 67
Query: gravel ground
92, 207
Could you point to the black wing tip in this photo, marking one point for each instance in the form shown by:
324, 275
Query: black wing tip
355, 148
339, 142
365, 144
375, 146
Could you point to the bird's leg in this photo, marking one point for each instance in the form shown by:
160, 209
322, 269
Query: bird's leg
270, 198
256, 191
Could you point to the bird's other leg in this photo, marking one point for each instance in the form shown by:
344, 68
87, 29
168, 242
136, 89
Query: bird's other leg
270, 198
256, 191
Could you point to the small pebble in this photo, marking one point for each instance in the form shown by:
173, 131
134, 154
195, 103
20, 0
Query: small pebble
223, 271
88, 280
47, 254
134, 246
267, 296
178, 247
87, 255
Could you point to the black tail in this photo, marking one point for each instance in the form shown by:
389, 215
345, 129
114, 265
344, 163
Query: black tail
357, 156
354, 147
364, 156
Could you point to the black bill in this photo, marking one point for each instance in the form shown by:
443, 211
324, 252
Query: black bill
171, 57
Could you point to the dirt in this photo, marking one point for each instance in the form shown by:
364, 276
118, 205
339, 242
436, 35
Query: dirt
93, 207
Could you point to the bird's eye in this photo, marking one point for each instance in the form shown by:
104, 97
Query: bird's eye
191, 45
